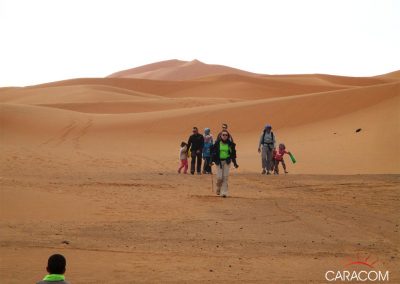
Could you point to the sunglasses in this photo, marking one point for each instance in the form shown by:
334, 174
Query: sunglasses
226, 135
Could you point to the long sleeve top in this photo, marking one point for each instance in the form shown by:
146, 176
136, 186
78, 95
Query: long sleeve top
196, 142
183, 153
267, 138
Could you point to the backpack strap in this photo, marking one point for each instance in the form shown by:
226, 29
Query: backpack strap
272, 135
263, 139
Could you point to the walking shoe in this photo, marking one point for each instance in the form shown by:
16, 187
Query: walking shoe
263, 172
286, 172
268, 173
224, 196
218, 191
192, 173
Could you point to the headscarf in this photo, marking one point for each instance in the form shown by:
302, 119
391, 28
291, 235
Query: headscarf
207, 135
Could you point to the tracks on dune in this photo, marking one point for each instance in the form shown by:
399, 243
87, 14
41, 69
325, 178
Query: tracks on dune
73, 133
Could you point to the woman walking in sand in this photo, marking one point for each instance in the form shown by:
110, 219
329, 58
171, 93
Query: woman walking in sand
223, 154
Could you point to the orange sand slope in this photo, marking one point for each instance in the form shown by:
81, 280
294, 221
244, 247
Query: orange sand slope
176, 70
132, 115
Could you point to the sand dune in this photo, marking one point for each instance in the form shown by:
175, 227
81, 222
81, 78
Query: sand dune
174, 63
71, 94
137, 119
228, 84
93, 161
115, 89
177, 70
392, 75
137, 106
335, 137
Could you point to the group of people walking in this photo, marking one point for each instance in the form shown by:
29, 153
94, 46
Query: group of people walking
222, 153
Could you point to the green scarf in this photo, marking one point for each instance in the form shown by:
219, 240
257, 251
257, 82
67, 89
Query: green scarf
54, 277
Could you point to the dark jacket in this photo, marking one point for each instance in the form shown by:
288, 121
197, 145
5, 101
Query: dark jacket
196, 142
215, 152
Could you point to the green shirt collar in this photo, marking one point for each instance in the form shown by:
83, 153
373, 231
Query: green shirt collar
54, 277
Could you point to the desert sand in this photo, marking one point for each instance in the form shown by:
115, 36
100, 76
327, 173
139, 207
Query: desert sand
88, 169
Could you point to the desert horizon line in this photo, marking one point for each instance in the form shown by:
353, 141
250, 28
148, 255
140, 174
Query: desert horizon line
193, 61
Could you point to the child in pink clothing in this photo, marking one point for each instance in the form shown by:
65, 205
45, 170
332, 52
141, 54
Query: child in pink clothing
278, 157
183, 156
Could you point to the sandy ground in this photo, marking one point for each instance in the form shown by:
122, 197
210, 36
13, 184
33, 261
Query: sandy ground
128, 227
88, 169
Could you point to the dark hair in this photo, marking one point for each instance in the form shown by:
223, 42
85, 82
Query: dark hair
194, 127
56, 264
183, 144
225, 131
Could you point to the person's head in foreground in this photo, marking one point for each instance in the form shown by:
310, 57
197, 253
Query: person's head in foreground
195, 130
56, 266
224, 136
183, 144
282, 147
268, 128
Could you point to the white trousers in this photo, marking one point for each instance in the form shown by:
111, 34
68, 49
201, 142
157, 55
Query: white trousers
222, 178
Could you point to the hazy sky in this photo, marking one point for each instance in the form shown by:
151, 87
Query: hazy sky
48, 40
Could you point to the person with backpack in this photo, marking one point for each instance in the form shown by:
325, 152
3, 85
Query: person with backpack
223, 154
195, 146
56, 266
208, 143
266, 147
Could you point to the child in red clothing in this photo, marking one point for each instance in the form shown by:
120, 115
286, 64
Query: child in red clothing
183, 157
278, 157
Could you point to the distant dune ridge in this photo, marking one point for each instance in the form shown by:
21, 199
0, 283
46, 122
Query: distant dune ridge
177, 70
129, 112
